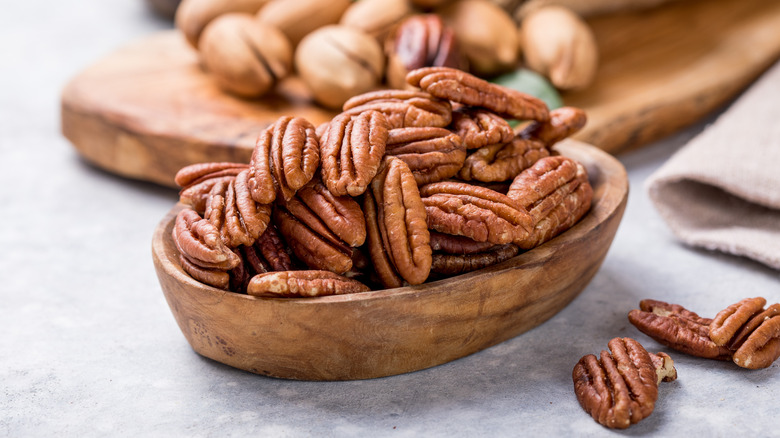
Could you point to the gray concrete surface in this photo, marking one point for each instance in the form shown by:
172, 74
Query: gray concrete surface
88, 346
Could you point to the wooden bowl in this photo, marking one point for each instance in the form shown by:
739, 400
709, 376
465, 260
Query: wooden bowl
394, 331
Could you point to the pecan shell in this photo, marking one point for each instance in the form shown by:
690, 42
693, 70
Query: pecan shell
467, 89
401, 220
564, 122
351, 148
432, 154
455, 264
479, 128
302, 284
475, 212
196, 181
403, 108
556, 193
501, 162
620, 387
285, 158
232, 210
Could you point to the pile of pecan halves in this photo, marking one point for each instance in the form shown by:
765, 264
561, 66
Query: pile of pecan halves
401, 187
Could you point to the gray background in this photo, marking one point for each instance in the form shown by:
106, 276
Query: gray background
88, 346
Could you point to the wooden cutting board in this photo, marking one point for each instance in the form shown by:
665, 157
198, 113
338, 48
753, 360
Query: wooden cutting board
148, 109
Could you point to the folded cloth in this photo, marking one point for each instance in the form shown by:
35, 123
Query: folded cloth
721, 191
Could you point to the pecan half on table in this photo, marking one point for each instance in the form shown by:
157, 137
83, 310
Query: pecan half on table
744, 332
620, 387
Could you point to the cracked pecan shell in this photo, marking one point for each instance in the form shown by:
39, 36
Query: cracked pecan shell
403, 108
196, 181
502, 162
455, 264
351, 149
475, 212
302, 284
285, 158
467, 89
432, 154
401, 222
620, 387
231, 208
556, 193
564, 122
479, 128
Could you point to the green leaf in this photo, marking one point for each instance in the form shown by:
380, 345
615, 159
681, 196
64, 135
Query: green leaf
531, 83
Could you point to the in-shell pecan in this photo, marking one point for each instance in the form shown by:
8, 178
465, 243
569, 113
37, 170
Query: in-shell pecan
501, 162
474, 212
196, 181
401, 223
556, 193
302, 284
285, 158
432, 154
454, 264
231, 208
403, 108
479, 128
202, 253
564, 122
620, 387
750, 331
464, 88
351, 148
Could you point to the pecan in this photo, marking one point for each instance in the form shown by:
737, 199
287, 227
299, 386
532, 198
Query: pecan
678, 328
501, 162
403, 108
313, 249
351, 148
302, 284
479, 128
285, 158
454, 264
231, 208
464, 88
268, 253
196, 181
750, 331
450, 244
432, 154
474, 212
400, 222
202, 253
386, 274
726, 323
564, 122
620, 387
556, 193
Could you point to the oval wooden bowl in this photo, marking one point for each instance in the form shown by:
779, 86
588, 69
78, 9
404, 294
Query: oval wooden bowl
394, 331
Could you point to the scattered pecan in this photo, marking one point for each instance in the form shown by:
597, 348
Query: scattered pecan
196, 181
302, 284
231, 208
202, 253
564, 122
474, 212
729, 320
285, 158
450, 244
501, 162
556, 193
351, 148
432, 154
620, 387
479, 128
454, 264
403, 108
464, 88
400, 219
750, 331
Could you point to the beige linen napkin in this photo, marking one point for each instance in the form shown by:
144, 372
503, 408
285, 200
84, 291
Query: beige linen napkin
721, 191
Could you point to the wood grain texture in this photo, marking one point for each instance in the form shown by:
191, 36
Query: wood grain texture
395, 331
148, 109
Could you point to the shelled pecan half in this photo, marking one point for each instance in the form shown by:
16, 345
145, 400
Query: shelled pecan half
457, 245
501, 162
403, 108
556, 193
620, 387
454, 264
202, 253
400, 222
467, 89
475, 212
302, 284
479, 128
432, 154
351, 148
564, 122
268, 254
231, 208
285, 158
196, 181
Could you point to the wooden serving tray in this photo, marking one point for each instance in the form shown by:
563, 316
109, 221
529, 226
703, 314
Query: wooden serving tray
148, 109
